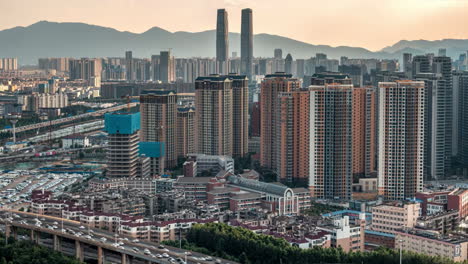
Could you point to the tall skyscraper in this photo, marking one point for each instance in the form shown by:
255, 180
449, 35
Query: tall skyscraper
166, 67
247, 43
364, 131
401, 139
122, 148
222, 42
331, 127
129, 65
240, 115
158, 110
292, 137
288, 64
213, 115
271, 86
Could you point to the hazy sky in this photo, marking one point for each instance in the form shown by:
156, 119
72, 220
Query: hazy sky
372, 24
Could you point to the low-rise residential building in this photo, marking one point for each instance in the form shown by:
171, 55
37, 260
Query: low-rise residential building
75, 141
444, 222
393, 216
458, 200
430, 243
345, 235
213, 164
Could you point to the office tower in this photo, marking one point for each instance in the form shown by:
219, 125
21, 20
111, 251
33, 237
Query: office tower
408, 65
213, 115
142, 69
355, 72
331, 127
129, 65
85, 69
247, 43
158, 110
292, 137
166, 67
271, 86
278, 54
185, 131
240, 115
288, 64
421, 64
122, 147
401, 139
461, 121
364, 131
222, 42
155, 67
300, 68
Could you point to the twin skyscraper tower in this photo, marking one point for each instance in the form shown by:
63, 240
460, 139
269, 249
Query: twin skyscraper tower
222, 42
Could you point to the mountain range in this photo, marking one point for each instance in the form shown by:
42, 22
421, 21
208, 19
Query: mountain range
52, 39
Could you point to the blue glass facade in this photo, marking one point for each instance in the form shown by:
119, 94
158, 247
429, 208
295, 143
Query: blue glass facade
122, 123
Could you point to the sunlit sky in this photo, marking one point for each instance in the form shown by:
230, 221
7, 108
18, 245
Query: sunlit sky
372, 24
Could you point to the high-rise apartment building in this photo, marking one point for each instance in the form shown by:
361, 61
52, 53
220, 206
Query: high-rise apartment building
158, 110
401, 139
408, 65
364, 135
58, 64
85, 69
185, 131
8, 64
437, 77
155, 67
240, 115
129, 65
222, 42
271, 87
166, 67
331, 150
213, 115
122, 148
292, 136
461, 118
247, 43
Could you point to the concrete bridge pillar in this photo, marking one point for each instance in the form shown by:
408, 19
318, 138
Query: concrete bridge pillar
14, 232
100, 255
125, 259
79, 254
7, 230
57, 243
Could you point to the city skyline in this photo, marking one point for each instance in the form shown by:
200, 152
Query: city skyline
349, 27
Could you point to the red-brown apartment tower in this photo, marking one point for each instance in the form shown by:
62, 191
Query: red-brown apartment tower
271, 86
292, 136
331, 141
364, 124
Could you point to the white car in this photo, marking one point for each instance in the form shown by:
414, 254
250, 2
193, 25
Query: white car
146, 251
135, 240
103, 239
165, 255
82, 227
159, 256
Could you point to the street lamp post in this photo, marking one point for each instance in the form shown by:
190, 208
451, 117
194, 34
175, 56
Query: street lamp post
401, 248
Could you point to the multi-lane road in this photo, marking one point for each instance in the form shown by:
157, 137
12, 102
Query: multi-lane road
146, 251
69, 119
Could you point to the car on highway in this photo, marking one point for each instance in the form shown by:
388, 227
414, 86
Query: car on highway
165, 255
136, 249
135, 240
146, 251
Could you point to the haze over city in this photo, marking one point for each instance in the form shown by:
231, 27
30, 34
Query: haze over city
360, 23
177, 132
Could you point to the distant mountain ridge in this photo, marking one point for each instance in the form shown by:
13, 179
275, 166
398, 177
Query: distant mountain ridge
52, 39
